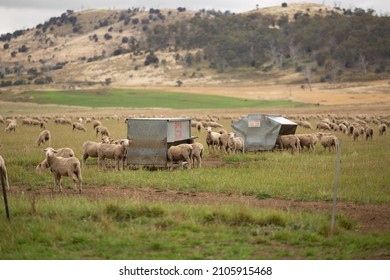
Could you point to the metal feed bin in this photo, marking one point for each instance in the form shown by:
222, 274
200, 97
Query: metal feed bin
261, 131
152, 138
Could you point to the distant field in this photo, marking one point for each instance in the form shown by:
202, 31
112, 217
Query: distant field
139, 98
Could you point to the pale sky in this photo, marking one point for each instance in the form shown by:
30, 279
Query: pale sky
22, 14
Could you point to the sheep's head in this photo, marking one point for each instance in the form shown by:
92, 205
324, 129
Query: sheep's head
42, 166
49, 152
231, 135
209, 129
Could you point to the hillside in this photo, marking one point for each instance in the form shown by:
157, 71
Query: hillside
174, 47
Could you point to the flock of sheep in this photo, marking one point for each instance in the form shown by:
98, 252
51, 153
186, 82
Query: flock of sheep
63, 162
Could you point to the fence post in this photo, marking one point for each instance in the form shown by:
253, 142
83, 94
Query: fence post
2, 176
335, 186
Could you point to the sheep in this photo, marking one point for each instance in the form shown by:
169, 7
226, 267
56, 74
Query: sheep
61, 166
306, 124
3, 168
96, 123
78, 126
357, 131
224, 142
90, 149
43, 137
330, 142
369, 133
307, 140
180, 153
62, 152
382, 129
11, 127
212, 138
102, 130
289, 141
197, 153
113, 151
236, 143
323, 126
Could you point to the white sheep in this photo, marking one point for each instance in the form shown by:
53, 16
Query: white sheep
89, 149
197, 154
236, 143
62, 152
78, 126
330, 142
308, 140
3, 168
180, 153
11, 127
43, 137
116, 152
369, 133
382, 129
61, 166
102, 130
212, 138
96, 123
289, 141
323, 126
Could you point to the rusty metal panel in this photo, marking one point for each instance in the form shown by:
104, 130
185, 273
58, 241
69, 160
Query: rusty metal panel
260, 131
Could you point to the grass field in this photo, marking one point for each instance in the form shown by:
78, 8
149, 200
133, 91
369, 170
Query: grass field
141, 98
112, 220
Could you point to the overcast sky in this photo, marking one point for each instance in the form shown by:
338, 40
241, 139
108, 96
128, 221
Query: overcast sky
22, 14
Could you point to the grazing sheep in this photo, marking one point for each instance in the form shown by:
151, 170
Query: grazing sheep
197, 153
61, 166
343, 128
102, 130
382, 129
307, 140
323, 126
289, 141
4, 169
113, 151
62, 152
180, 153
330, 142
43, 137
90, 149
212, 139
369, 133
306, 124
11, 127
96, 123
357, 131
78, 126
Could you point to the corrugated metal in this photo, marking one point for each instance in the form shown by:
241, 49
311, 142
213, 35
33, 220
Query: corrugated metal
260, 131
152, 137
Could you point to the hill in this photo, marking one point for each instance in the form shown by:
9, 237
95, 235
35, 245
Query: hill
297, 44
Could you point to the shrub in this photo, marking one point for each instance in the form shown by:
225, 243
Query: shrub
107, 36
150, 59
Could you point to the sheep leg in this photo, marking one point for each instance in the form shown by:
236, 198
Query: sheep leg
85, 156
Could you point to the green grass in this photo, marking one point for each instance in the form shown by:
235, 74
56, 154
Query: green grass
80, 228
141, 98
